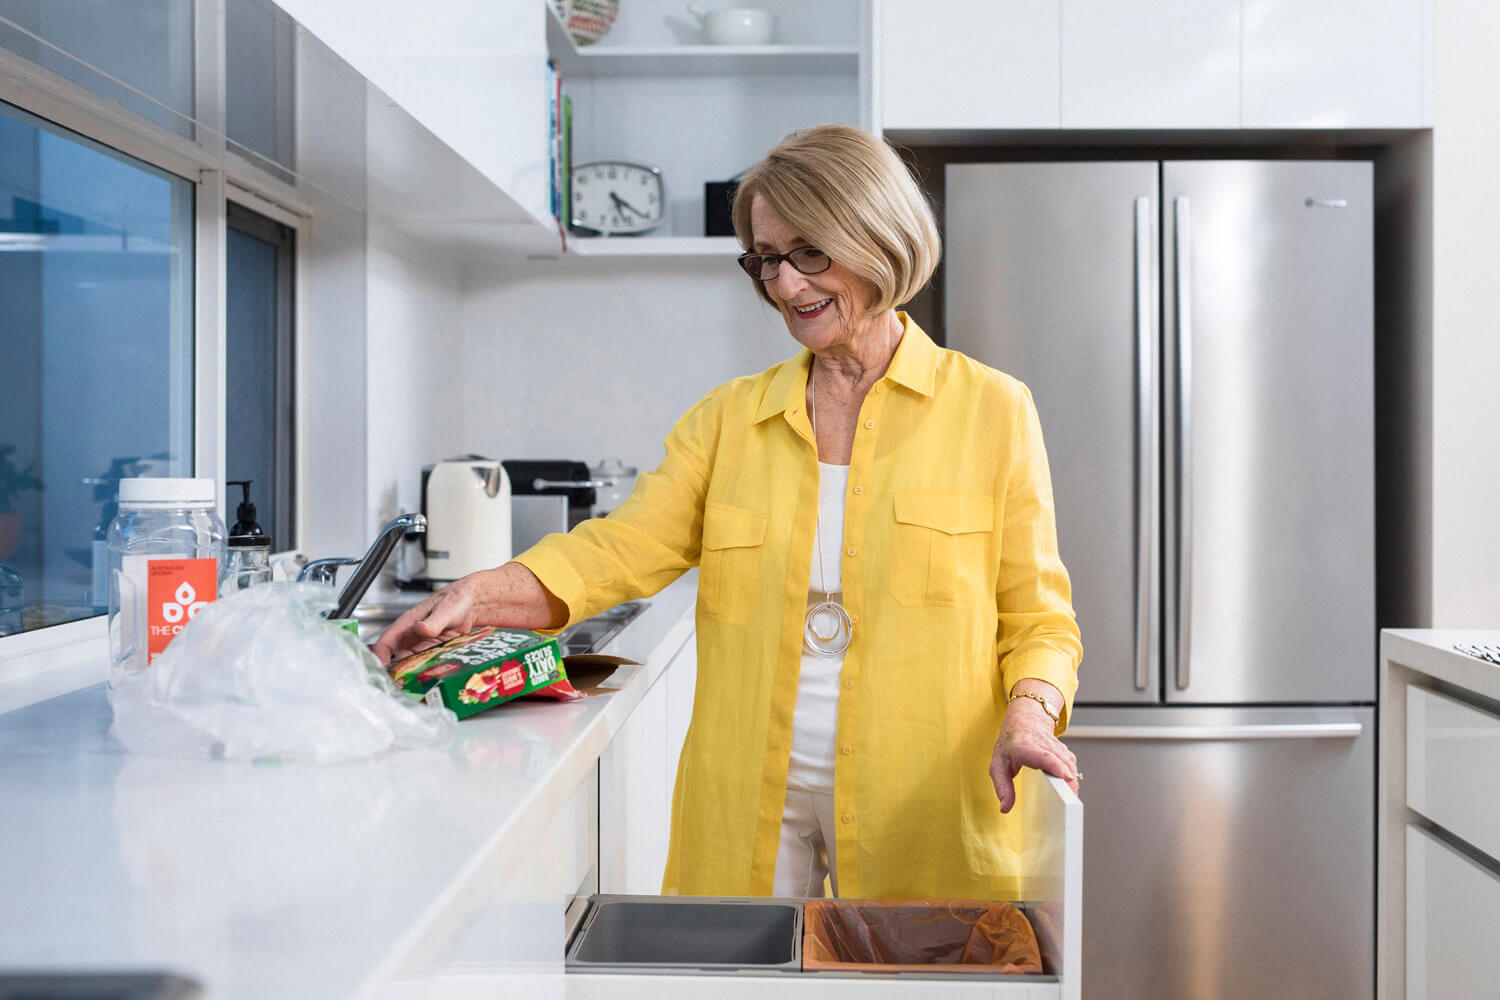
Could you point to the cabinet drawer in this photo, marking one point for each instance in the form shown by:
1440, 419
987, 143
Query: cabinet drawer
1453, 767
1452, 910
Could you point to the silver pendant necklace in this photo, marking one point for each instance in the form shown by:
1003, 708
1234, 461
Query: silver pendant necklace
828, 629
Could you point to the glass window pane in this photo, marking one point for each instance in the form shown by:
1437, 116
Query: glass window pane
258, 359
96, 263
259, 82
136, 52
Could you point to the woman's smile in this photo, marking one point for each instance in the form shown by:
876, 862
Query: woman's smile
813, 308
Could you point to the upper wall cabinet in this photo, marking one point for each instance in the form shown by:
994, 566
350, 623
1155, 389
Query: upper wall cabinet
957, 64
1150, 64
1154, 64
472, 72
1337, 63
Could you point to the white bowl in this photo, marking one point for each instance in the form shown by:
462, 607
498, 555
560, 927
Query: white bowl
738, 26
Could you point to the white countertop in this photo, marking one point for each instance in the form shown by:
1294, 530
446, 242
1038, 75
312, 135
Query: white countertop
1430, 651
282, 881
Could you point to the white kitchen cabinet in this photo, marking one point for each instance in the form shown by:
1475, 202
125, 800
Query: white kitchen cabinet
965, 64
1150, 64
1335, 63
472, 72
1452, 912
636, 776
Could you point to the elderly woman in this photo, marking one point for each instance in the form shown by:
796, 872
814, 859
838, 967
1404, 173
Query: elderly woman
885, 634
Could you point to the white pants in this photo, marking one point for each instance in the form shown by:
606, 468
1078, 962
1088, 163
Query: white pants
806, 853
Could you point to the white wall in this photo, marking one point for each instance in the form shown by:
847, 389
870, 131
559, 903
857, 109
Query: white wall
583, 358
1466, 322
414, 413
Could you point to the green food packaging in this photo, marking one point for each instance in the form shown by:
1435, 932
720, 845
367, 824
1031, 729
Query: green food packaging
487, 667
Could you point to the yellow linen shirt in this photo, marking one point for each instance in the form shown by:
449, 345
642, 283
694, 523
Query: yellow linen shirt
951, 576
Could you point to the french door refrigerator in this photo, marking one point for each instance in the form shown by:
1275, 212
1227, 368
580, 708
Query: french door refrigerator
1198, 337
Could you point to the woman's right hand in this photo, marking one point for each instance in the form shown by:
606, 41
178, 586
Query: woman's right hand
508, 595
445, 615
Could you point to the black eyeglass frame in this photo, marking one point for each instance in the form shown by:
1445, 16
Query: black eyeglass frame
744, 261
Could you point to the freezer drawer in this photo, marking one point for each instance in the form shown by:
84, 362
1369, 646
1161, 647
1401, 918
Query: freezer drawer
1230, 852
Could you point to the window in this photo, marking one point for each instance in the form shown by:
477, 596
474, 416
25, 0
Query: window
260, 83
258, 364
137, 53
96, 356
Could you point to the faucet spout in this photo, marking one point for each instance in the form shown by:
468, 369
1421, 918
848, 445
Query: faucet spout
370, 566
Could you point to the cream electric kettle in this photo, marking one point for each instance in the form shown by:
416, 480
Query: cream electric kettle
467, 503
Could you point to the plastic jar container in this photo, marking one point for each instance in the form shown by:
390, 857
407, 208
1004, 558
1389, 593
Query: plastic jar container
166, 553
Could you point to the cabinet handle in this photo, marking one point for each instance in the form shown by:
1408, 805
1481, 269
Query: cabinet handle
1177, 734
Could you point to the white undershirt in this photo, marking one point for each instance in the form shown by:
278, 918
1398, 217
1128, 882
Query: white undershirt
815, 721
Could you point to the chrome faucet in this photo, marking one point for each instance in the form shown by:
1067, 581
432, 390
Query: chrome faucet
324, 570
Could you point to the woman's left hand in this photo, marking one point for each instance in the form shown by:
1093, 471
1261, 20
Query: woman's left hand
1027, 740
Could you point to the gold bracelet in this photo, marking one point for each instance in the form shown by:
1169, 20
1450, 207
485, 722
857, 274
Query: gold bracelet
1052, 713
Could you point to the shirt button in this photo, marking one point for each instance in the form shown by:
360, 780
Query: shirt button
859, 491
846, 749
848, 685
869, 424
850, 550
848, 817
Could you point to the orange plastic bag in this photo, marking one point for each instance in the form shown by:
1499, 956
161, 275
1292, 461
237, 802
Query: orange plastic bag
917, 935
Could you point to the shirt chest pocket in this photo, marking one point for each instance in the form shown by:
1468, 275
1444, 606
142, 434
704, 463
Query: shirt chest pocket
733, 540
939, 550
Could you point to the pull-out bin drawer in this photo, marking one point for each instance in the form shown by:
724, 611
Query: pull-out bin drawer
669, 947
689, 934
1452, 750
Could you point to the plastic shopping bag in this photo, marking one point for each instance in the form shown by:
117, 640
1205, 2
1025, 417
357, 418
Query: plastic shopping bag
262, 674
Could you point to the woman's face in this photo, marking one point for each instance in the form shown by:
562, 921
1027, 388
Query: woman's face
821, 310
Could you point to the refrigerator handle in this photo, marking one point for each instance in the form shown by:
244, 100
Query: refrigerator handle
1183, 283
1146, 413
1177, 734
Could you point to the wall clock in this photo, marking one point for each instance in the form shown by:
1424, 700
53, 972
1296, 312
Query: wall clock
615, 197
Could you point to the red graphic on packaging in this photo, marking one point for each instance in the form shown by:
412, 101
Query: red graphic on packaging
176, 590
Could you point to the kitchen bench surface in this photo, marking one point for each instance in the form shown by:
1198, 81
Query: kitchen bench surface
298, 880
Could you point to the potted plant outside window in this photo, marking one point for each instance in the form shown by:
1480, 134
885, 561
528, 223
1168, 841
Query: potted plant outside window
13, 482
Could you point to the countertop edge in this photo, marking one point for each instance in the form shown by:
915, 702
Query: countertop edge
1431, 652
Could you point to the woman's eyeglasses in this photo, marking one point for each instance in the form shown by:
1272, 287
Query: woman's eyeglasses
765, 266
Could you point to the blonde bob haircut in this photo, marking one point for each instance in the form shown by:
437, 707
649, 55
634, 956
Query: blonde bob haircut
848, 194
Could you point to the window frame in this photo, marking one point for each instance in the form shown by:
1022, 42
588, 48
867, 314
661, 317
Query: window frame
219, 175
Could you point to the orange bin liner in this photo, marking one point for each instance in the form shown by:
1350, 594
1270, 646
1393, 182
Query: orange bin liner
917, 935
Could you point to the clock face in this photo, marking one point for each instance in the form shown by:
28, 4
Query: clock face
611, 196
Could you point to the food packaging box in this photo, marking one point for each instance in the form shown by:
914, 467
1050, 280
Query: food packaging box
484, 668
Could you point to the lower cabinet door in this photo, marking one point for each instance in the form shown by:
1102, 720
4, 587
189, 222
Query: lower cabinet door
1452, 916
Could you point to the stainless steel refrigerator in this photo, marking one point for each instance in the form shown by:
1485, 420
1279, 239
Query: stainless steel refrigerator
1198, 337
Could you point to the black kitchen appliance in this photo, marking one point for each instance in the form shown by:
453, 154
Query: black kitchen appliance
554, 477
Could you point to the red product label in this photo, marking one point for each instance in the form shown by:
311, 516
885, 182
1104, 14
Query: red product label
176, 590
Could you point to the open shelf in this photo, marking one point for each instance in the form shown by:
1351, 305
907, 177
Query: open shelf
695, 60
653, 246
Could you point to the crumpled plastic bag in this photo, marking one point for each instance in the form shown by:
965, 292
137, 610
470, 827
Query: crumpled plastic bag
262, 674
918, 935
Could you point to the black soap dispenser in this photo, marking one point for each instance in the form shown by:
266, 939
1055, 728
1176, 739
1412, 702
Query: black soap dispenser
245, 525
249, 546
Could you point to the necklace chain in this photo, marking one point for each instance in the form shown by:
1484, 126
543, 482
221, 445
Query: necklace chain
831, 643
